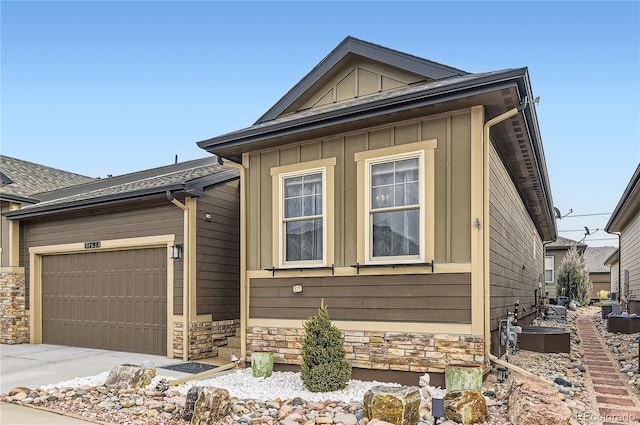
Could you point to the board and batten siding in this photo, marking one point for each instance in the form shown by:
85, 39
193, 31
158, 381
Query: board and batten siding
218, 252
435, 298
114, 223
630, 255
452, 185
515, 247
4, 235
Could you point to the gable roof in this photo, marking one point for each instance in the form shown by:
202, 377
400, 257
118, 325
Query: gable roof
23, 181
566, 243
628, 207
190, 177
517, 139
595, 257
613, 258
353, 46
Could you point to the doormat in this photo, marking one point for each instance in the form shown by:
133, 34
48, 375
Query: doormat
190, 367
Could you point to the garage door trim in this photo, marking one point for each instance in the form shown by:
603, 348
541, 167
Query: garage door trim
35, 277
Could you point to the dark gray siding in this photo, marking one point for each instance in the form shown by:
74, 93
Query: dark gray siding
218, 248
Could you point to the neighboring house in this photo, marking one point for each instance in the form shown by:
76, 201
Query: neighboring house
401, 191
554, 254
129, 262
595, 258
21, 182
613, 261
625, 220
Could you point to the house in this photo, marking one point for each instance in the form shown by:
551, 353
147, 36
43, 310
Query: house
554, 254
129, 262
411, 196
625, 221
595, 258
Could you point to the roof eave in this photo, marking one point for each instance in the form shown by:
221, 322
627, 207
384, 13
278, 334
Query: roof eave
618, 216
91, 202
17, 198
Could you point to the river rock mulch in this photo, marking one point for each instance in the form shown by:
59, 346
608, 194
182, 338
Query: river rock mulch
164, 406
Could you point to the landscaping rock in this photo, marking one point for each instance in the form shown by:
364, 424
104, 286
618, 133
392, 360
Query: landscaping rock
211, 406
533, 403
465, 407
127, 376
398, 405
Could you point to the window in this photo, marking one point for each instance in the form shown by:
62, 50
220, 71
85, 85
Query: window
303, 220
396, 213
303, 214
548, 268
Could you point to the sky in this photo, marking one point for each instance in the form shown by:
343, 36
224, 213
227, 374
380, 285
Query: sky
114, 87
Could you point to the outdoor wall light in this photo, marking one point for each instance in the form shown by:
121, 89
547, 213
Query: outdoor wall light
176, 251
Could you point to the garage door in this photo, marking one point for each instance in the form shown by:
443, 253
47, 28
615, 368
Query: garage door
115, 300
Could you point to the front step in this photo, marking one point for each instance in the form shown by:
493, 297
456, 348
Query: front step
224, 352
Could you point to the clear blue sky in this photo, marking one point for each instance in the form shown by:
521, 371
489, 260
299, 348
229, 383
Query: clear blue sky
103, 88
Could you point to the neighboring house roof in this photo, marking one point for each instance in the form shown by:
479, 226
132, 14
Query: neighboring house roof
628, 207
441, 89
566, 243
613, 258
595, 257
22, 181
190, 177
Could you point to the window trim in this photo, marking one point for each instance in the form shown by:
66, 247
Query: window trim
425, 151
278, 175
553, 268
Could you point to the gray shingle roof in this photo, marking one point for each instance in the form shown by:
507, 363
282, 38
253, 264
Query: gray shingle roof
565, 243
176, 177
595, 256
29, 179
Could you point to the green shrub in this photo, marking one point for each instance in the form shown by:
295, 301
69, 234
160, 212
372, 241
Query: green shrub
324, 364
573, 279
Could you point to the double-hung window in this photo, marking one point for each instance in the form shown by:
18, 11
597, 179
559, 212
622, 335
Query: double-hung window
303, 214
548, 269
396, 211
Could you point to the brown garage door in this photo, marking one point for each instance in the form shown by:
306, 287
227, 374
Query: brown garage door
115, 300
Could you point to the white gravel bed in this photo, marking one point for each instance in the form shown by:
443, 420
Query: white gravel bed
242, 385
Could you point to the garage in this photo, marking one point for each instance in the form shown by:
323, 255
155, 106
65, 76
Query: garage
114, 300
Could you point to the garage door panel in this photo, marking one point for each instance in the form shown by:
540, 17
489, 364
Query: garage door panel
114, 300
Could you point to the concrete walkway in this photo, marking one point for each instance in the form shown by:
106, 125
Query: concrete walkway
616, 403
33, 365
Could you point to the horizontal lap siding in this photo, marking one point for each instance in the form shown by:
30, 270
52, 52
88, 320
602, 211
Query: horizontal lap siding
437, 298
630, 255
113, 224
516, 256
218, 252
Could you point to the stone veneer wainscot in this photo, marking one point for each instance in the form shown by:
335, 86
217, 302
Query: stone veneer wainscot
204, 337
15, 320
401, 351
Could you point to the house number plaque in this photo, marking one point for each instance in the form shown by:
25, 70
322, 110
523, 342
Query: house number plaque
93, 244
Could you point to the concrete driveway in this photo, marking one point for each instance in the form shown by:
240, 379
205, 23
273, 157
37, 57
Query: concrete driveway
33, 365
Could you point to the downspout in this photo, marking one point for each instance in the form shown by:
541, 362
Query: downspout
243, 255
486, 261
185, 276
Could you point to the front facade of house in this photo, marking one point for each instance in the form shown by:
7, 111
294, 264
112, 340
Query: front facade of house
373, 185
101, 270
625, 221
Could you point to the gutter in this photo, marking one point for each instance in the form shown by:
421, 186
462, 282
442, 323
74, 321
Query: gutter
486, 265
244, 290
185, 275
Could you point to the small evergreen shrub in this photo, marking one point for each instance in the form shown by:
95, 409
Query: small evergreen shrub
573, 279
324, 364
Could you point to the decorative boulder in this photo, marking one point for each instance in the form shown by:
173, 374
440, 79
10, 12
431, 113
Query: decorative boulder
128, 376
533, 402
190, 404
466, 407
398, 405
211, 406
